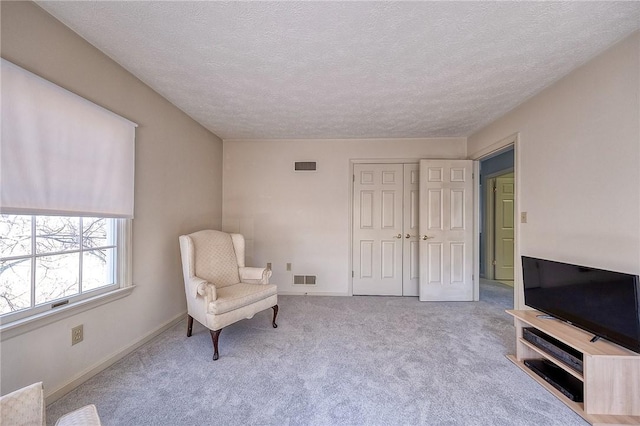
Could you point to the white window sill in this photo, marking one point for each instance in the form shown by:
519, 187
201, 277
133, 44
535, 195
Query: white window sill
25, 325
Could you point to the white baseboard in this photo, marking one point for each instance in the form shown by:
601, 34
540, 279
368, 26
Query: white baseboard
310, 293
109, 361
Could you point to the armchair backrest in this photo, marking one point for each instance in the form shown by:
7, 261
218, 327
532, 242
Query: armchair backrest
24, 406
214, 257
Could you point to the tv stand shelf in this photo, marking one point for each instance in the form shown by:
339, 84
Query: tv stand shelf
611, 377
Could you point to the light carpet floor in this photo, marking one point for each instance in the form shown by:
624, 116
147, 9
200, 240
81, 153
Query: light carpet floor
331, 361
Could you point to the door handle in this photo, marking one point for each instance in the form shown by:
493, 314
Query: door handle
409, 236
426, 237
398, 236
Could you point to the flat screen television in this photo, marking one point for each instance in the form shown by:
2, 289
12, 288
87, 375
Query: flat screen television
604, 303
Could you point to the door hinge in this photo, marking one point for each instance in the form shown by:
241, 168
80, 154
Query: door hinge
354, 178
494, 263
353, 274
495, 189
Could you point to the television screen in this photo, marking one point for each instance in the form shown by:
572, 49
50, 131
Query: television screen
604, 303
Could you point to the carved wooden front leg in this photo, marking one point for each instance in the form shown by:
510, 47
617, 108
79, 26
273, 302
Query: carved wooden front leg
189, 325
275, 314
215, 334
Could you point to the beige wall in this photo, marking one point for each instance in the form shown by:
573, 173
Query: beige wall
304, 218
578, 163
178, 189
577, 166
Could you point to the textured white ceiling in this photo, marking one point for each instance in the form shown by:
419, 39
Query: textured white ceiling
348, 69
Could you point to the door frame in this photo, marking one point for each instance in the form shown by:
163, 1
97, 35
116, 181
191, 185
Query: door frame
494, 149
352, 163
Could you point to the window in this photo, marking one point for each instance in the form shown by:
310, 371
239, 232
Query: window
50, 261
66, 202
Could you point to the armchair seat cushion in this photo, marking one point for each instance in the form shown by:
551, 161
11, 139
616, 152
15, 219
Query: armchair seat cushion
239, 295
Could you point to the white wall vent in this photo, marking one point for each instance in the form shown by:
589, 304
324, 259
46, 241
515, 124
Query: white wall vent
305, 166
304, 279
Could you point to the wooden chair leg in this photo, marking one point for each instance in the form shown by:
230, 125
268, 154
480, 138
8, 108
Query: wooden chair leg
215, 334
189, 325
275, 314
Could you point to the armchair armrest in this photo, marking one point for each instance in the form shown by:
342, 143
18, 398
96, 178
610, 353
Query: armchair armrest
201, 287
86, 416
254, 275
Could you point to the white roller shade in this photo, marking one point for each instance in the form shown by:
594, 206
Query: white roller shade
60, 153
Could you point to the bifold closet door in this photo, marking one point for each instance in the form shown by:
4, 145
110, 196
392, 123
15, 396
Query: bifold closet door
411, 244
377, 229
446, 230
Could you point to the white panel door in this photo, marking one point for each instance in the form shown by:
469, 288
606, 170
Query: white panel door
503, 246
377, 229
446, 230
410, 249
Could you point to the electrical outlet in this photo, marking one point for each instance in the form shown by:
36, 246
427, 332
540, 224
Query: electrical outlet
288, 266
77, 334
523, 217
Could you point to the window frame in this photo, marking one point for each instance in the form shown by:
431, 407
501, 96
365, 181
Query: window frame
24, 320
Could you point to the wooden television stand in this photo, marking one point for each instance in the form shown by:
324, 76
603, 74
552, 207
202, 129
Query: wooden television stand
611, 376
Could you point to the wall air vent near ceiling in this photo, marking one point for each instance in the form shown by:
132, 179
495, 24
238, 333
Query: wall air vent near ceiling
304, 279
305, 166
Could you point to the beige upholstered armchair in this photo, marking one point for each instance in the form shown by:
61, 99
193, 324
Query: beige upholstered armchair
220, 289
26, 407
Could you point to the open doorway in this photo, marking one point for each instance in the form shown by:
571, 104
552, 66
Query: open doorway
497, 226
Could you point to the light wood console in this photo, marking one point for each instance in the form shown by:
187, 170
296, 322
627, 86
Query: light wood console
611, 376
